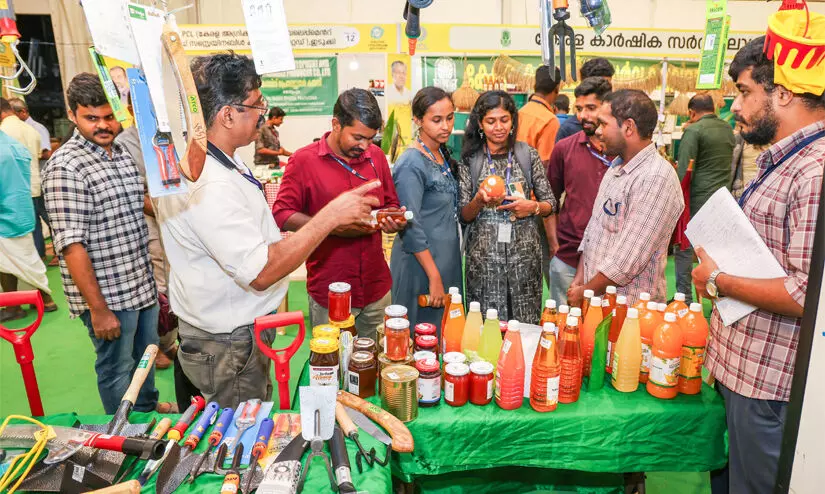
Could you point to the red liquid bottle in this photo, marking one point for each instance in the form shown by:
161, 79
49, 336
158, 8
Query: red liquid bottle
570, 355
546, 373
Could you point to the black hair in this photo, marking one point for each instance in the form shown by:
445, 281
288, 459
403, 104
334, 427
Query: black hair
562, 103
702, 103
276, 112
752, 56
357, 104
5, 105
222, 80
423, 100
85, 89
632, 103
546, 82
597, 67
597, 85
473, 138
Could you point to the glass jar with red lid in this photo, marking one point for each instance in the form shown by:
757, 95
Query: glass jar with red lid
429, 377
397, 334
395, 311
425, 328
481, 383
340, 301
427, 343
456, 384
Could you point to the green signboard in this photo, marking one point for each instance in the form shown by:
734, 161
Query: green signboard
309, 90
713, 50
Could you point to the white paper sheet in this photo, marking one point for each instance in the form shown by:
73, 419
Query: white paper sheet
729, 238
268, 35
110, 31
530, 334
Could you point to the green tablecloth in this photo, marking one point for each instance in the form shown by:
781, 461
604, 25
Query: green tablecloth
375, 480
605, 431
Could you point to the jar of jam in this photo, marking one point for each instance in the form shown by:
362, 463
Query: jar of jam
340, 301
328, 331
364, 344
452, 358
323, 362
481, 383
423, 355
427, 343
362, 374
425, 328
348, 325
429, 382
395, 311
456, 384
397, 334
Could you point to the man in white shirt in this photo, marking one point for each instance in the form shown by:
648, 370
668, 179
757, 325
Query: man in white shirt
22, 111
229, 264
397, 93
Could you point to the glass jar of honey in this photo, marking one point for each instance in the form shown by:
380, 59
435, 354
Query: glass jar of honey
323, 362
362, 374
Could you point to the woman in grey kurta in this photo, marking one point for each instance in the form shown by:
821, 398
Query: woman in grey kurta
426, 256
503, 244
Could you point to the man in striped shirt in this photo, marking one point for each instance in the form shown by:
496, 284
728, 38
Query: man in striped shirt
753, 359
639, 201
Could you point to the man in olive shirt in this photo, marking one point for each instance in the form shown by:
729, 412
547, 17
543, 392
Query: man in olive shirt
709, 142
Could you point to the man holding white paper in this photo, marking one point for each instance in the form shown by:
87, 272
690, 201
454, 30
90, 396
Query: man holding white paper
753, 358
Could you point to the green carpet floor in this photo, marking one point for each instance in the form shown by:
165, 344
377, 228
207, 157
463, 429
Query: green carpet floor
64, 363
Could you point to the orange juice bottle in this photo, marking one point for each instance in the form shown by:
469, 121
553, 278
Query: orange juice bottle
588, 332
648, 323
510, 370
678, 306
549, 314
627, 355
662, 308
619, 315
641, 305
588, 294
606, 308
546, 373
610, 296
665, 359
454, 329
561, 321
695, 333
447, 302
472, 328
570, 356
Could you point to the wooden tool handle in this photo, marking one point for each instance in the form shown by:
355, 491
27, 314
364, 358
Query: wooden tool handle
161, 429
192, 161
346, 423
402, 440
144, 367
128, 487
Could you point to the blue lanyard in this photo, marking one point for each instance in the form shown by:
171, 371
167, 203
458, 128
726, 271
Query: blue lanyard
352, 170
796, 149
219, 155
599, 157
507, 171
445, 169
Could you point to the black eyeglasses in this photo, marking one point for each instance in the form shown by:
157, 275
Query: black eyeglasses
261, 108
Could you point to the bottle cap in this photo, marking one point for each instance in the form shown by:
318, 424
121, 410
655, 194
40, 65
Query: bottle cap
549, 326
457, 369
696, 307
670, 317
595, 301
611, 290
454, 357
408, 215
453, 290
513, 325
425, 328
589, 293
621, 300
427, 365
339, 287
482, 368
572, 321
550, 304
661, 307
652, 306
576, 312
633, 313
679, 297
323, 345
644, 296
395, 311
564, 309
475, 307
492, 314
456, 299
423, 355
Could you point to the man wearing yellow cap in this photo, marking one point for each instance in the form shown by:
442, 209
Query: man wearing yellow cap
753, 359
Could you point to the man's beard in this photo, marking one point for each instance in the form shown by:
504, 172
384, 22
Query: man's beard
589, 133
763, 128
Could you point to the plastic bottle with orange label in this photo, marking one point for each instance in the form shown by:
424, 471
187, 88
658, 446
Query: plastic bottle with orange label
454, 328
695, 340
678, 306
665, 359
648, 322
509, 382
588, 332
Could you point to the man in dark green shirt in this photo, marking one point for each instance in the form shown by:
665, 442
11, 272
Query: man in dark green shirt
709, 142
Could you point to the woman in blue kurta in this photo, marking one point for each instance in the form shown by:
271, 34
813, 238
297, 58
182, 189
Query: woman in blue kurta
426, 256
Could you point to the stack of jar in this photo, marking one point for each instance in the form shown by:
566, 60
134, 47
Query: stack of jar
394, 341
340, 307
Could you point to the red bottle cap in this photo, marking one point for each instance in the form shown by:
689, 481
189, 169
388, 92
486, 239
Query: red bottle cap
425, 328
427, 365
426, 341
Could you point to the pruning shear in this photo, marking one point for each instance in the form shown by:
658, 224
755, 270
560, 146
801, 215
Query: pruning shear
167, 162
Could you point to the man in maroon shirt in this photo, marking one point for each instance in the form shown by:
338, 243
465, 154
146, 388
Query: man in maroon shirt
576, 167
342, 160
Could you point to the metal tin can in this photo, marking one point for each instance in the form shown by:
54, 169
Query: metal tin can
399, 392
384, 362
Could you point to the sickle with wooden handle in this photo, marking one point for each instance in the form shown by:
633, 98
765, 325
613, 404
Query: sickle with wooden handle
402, 440
192, 161
128, 487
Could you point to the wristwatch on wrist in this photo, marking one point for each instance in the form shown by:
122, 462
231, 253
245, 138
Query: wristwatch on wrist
711, 287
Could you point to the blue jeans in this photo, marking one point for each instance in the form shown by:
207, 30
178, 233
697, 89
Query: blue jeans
117, 359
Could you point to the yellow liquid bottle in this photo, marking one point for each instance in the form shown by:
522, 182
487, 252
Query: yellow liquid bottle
490, 344
472, 328
627, 354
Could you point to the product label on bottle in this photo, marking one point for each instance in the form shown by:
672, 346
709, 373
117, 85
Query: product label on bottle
354, 383
663, 371
609, 354
692, 359
553, 390
505, 347
646, 353
498, 385
323, 375
455, 313
682, 313
614, 365
490, 389
546, 343
429, 390
449, 391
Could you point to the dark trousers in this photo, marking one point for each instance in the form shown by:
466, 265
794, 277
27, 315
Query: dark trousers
755, 439
40, 215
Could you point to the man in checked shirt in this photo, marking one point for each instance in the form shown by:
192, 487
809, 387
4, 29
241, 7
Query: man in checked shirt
639, 201
753, 359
